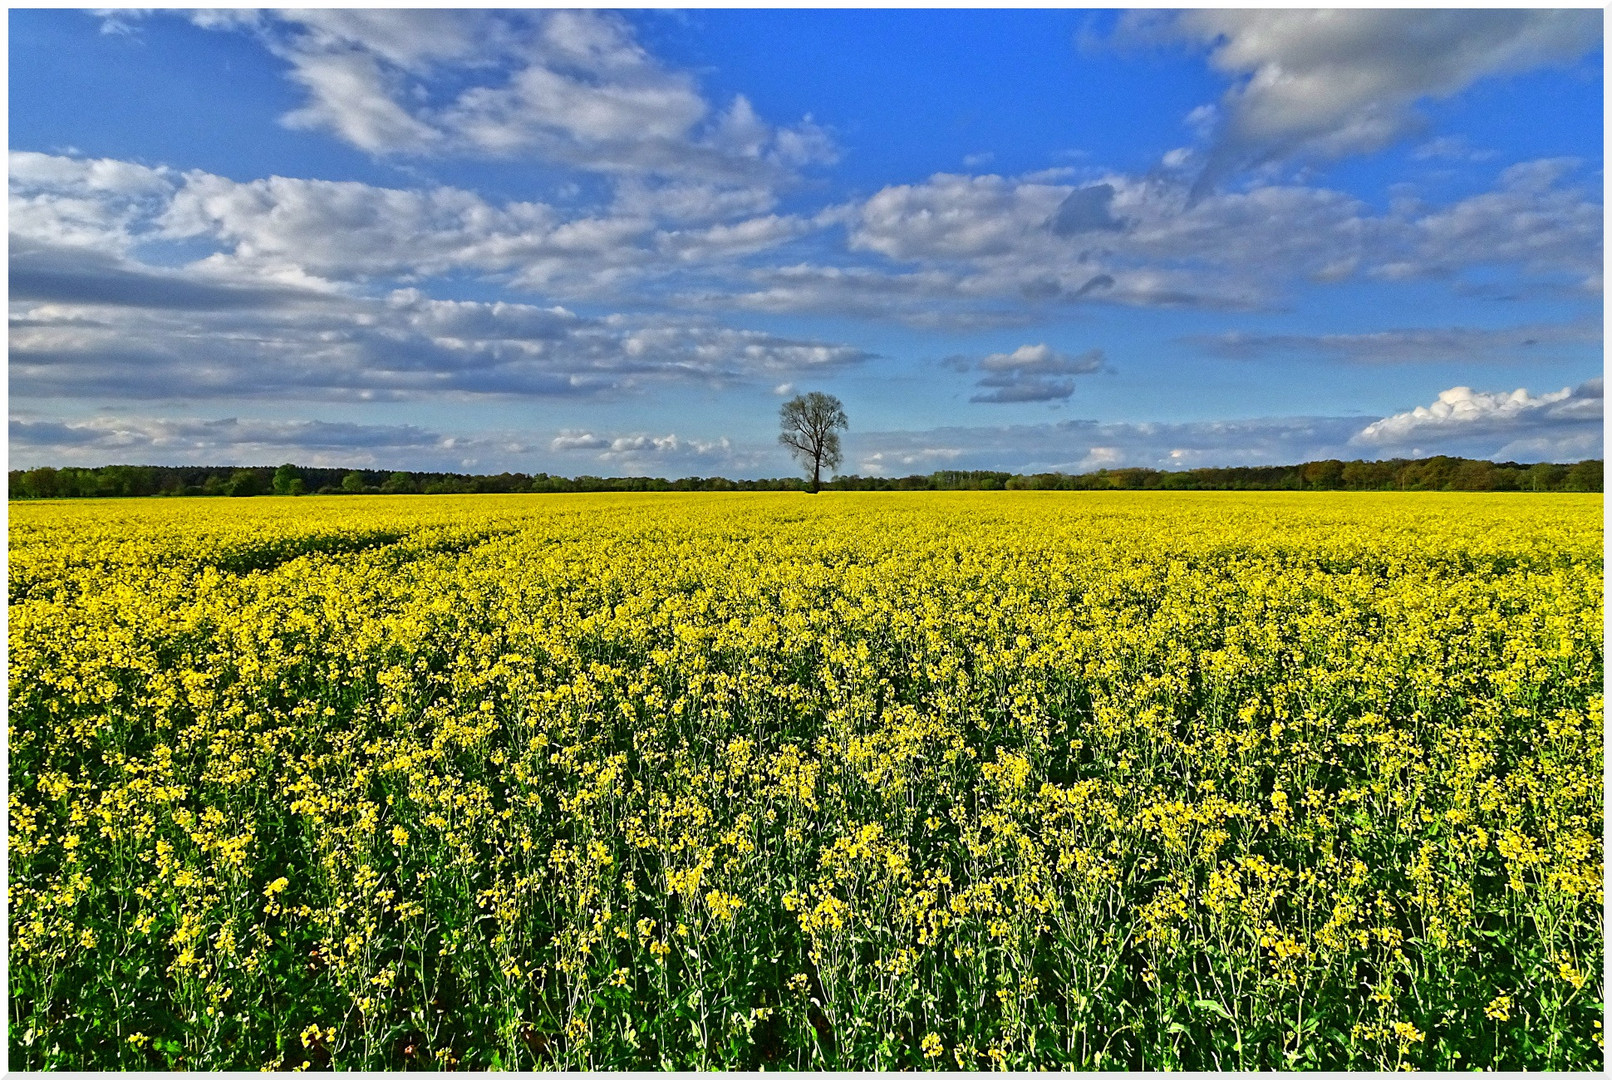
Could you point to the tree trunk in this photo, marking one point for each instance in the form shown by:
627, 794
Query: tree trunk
817, 471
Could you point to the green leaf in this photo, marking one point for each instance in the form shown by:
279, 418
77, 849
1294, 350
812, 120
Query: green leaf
1213, 1006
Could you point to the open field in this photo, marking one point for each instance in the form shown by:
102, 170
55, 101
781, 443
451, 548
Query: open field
765, 781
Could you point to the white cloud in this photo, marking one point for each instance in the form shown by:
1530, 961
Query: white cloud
635, 446
663, 455
346, 231
1532, 220
578, 440
1567, 421
411, 39
351, 95
1033, 373
991, 250
952, 216
29, 171
97, 203
977, 242
1042, 360
572, 87
314, 233
556, 110
565, 78
1333, 82
728, 241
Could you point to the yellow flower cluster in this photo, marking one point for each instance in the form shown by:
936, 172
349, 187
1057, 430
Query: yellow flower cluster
1007, 780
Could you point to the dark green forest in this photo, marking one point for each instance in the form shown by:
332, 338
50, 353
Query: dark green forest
1398, 474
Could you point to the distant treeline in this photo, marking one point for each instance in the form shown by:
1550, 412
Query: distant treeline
1423, 474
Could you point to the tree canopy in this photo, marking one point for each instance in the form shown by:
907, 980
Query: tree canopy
811, 425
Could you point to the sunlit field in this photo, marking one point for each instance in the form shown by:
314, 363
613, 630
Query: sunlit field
853, 781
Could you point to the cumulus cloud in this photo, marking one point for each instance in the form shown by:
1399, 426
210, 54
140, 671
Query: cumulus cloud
1042, 360
571, 87
663, 455
578, 440
952, 216
639, 446
1565, 423
1326, 83
96, 203
1033, 373
88, 177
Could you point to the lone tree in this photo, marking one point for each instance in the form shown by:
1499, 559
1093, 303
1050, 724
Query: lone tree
812, 423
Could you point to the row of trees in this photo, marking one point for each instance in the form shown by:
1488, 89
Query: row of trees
1423, 474
1398, 474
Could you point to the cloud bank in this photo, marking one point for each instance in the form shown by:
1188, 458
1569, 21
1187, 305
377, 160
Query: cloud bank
1563, 425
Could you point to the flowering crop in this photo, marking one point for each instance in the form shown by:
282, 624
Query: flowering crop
859, 781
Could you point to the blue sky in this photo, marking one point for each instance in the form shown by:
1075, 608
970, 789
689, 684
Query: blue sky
613, 243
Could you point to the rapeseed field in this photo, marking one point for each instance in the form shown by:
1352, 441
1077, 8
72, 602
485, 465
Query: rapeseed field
859, 781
